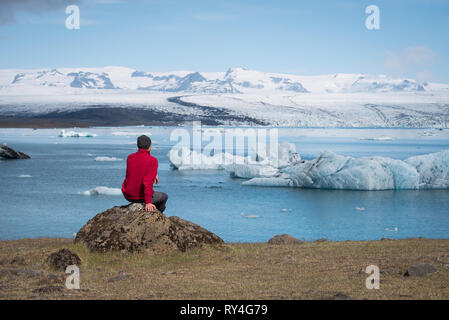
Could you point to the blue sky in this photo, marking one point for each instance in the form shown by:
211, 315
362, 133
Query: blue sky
299, 37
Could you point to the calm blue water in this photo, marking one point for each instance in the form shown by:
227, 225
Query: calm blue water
51, 203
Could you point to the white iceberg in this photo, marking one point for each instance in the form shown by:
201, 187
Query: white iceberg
129, 134
332, 171
269, 182
327, 171
433, 169
378, 139
101, 159
74, 134
103, 191
263, 164
186, 159
248, 171
250, 216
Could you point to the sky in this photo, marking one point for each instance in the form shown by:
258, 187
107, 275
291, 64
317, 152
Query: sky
297, 37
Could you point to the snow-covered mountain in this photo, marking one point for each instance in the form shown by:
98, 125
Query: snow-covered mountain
234, 80
272, 98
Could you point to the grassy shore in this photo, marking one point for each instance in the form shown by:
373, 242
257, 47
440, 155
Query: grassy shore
312, 270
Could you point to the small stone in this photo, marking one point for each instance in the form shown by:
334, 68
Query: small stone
51, 279
390, 271
284, 239
341, 296
420, 270
18, 261
169, 272
48, 289
62, 259
121, 276
29, 273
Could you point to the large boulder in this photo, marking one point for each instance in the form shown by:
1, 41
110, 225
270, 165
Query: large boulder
131, 228
8, 153
63, 258
420, 270
284, 239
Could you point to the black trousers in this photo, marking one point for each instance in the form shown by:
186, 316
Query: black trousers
159, 199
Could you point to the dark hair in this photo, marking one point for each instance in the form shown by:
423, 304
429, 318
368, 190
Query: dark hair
143, 142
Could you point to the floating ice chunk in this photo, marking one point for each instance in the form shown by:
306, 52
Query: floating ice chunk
249, 216
103, 191
129, 134
73, 134
286, 155
332, 171
100, 159
283, 210
186, 159
378, 139
360, 209
249, 171
25, 176
262, 165
269, 182
433, 169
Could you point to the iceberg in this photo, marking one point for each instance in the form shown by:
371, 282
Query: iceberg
269, 182
100, 159
328, 171
128, 133
433, 169
103, 191
333, 171
186, 159
264, 164
248, 171
74, 134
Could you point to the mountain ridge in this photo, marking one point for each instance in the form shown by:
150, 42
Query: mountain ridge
234, 80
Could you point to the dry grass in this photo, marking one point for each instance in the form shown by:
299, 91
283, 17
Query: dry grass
234, 271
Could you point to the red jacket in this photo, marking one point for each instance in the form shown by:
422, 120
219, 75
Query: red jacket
141, 170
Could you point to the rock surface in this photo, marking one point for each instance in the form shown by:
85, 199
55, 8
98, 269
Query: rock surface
284, 239
130, 228
420, 270
62, 259
8, 153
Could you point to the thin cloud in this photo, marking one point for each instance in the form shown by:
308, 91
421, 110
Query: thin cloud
413, 61
211, 16
9, 8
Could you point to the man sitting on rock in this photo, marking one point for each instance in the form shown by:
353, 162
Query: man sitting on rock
141, 173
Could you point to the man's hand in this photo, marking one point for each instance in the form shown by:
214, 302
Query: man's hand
156, 180
150, 207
